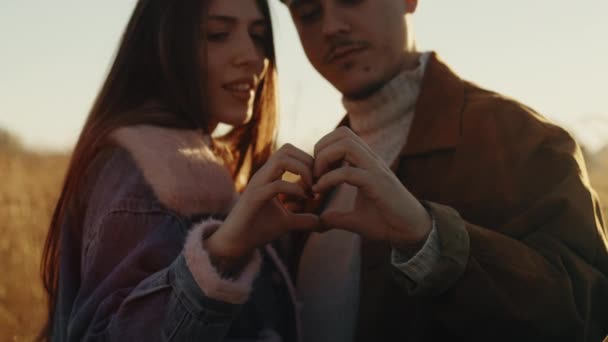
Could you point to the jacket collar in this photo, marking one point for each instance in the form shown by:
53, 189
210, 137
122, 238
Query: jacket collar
180, 167
437, 121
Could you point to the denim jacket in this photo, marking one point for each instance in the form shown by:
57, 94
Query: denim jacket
135, 269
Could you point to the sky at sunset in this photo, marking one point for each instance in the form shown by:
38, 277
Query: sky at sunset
549, 54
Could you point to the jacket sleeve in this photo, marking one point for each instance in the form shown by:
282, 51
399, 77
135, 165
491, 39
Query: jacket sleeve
544, 272
144, 278
419, 266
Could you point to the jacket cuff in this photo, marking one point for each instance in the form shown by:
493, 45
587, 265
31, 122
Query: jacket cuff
234, 291
422, 264
453, 247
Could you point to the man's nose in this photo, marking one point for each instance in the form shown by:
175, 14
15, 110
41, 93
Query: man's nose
334, 22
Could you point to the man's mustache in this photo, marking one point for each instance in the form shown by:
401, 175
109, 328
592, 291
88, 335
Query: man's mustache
342, 43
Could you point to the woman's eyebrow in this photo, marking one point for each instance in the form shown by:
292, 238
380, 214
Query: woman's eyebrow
294, 4
232, 20
260, 22
222, 18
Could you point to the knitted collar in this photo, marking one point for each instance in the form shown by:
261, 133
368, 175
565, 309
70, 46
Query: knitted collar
389, 103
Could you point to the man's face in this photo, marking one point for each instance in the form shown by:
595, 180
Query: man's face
357, 45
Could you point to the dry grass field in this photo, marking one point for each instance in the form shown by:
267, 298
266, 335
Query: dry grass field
29, 185
598, 173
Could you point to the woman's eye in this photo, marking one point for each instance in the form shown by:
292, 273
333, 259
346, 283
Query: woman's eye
308, 15
260, 38
351, 2
217, 36
259, 34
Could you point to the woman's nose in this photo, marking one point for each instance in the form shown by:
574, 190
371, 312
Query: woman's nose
247, 54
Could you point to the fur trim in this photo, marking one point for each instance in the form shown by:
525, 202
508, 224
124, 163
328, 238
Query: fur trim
206, 276
180, 167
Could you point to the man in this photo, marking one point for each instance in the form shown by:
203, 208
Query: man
453, 212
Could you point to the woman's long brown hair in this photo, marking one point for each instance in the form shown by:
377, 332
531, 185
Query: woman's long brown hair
158, 61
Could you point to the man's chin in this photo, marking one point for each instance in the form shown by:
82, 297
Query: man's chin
356, 89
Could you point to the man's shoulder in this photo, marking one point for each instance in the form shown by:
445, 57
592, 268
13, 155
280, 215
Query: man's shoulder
487, 114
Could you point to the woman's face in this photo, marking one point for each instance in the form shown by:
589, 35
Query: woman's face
236, 59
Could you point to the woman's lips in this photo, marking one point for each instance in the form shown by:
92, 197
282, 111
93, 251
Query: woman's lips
242, 90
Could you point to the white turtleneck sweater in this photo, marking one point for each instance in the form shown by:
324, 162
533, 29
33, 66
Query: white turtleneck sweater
329, 270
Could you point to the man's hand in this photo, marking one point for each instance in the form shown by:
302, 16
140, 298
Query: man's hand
384, 209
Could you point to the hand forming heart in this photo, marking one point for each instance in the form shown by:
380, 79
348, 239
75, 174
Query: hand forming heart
384, 209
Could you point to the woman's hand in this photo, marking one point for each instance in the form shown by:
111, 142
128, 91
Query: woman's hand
259, 217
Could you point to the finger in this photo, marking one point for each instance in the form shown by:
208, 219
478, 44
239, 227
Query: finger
346, 174
339, 220
278, 166
294, 166
281, 187
303, 222
342, 150
298, 154
292, 203
293, 206
339, 134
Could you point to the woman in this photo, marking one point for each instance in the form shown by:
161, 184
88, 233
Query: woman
137, 249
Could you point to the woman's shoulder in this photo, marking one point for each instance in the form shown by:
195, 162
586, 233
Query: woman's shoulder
170, 168
113, 181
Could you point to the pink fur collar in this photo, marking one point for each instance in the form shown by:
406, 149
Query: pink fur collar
180, 167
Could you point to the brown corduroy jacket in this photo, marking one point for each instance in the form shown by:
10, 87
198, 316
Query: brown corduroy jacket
523, 244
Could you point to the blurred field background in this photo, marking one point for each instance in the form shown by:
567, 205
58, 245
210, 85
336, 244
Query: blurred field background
30, 187
30, 184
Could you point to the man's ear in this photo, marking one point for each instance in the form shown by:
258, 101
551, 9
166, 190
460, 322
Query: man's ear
410, 6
